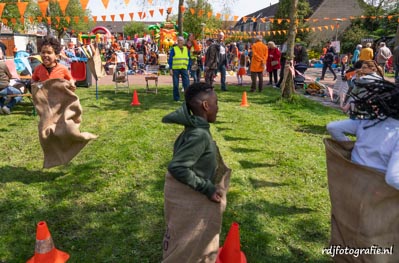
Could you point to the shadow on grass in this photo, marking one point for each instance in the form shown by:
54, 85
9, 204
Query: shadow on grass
258, 243
244, 150
314, 129
233, 139
250, 165
261, 183
23, 175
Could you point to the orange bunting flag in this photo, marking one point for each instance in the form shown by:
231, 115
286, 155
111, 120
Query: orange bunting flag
192, 11
307, 29
150, 2
306, 19
313, 29
373, 17
285, 31
49, 20
226, 17
315, 20
144, 14
161, 11
131, 16
274, 33
332, 27
244, 18
140, 14
235, 18
5, 21
319, 28
43, 8
209, 14
218, 15
95, 18
253, 19
84, 3
86, 19
182, 9
63, 5
13, 20
31, 19
105, 3
279, 20
40, 19
271, 20
22, 7
112, 17
389, 17
301, 29
22, 19
279, 32
127, 2
76, 19
326, 18
104, 18
169, 10
122, 16
352, 17
58, 19
68, 19
200, 13
151, 12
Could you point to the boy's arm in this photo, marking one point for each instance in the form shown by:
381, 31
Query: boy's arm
184, 159
392, 174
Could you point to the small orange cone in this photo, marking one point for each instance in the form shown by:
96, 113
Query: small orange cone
231, 252
244, 102
135, 100
45, 251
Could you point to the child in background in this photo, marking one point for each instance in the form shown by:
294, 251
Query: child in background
50, 68
241, 67
344, 61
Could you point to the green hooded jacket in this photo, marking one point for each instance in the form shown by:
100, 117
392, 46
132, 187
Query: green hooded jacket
194, 154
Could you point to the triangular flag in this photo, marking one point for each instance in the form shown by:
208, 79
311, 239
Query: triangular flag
271, 20
84, 3
192, 11
131, 16
13, 20
31, 19
235, 18
218, 15
122, 16
5, 21
22, 19
200, 13
144, 15
332, 27
140, 14
40, 19
226, 17
63, 5
105, 3
22, 7
76, 19
279, 20
161, 11
43, 8
244, 18
104, 18
319, 28
49, 20
169, 10
86, 19
68, 19
95, 18
112, 17
150, 2
127, 2
182, 9
209, 14
151, 12
253, 19
58, 19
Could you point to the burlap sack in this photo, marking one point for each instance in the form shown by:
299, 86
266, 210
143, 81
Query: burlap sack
364, 208
60, 116
95, 64
193, 221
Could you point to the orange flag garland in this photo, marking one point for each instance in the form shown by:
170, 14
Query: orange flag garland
43, 8
63, 5
84, 3
105, 3
22, 7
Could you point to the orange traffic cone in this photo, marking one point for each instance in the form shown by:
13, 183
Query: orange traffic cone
45, 251
244, 102
135, 99
230, 252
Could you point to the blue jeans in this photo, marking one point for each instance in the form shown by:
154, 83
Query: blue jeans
185, 79
194, 75
9, 91
222, 70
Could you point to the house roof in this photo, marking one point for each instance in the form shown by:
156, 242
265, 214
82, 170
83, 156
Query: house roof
271, 10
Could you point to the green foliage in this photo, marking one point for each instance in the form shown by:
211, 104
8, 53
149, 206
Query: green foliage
135, 28
192, 23
106, 205
283, 11
352, 37
314, 54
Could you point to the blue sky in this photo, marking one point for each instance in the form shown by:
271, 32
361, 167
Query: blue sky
116, 7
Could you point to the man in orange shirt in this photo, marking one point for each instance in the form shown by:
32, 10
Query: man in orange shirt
50, 69
258, 63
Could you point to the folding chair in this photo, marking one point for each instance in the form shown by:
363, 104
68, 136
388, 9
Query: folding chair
151, 73
120, 76
163, 63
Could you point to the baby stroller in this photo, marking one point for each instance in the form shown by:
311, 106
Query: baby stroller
120, 76
299, 79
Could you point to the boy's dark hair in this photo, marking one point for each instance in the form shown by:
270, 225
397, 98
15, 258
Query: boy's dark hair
51, 41
194, 91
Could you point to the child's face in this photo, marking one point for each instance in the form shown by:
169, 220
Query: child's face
48, 55
213, 107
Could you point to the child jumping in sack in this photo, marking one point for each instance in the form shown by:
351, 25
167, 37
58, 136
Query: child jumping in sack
194, 197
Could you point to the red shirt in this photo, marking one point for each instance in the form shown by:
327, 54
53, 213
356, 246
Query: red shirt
58, 72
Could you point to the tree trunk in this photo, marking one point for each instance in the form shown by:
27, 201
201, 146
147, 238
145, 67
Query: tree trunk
180, 18
287, 84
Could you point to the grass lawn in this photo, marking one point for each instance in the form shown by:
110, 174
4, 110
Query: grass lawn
107, 204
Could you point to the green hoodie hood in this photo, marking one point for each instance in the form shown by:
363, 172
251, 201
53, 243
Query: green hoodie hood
183, 117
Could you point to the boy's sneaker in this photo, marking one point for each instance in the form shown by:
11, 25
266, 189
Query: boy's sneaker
6, 110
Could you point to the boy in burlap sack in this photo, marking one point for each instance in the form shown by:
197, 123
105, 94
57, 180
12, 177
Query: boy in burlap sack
196, 182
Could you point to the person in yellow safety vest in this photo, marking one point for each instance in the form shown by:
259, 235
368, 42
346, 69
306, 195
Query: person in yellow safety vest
179, 63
